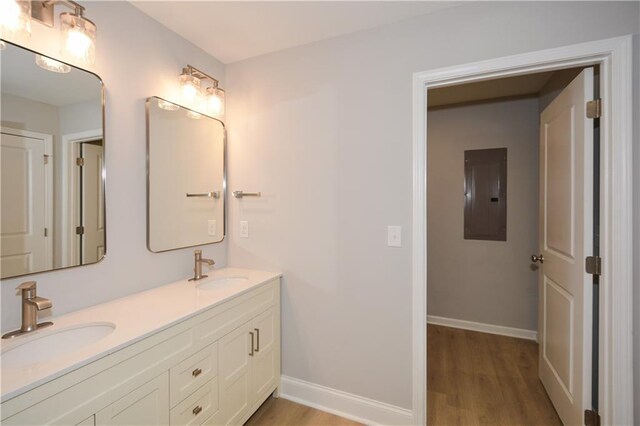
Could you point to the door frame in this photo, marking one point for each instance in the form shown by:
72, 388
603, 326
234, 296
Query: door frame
614, 56
69, 244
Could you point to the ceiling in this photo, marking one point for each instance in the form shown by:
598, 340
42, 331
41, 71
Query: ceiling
235, 30
22, 77
523, 85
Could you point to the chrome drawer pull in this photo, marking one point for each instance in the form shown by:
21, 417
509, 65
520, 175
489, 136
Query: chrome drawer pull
257, 339
196, 372
197, 410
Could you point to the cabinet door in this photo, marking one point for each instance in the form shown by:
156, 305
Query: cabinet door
266, 360
234, 374
146, 405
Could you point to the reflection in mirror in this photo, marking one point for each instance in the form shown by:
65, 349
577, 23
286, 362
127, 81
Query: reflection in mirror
186, 177
52, 164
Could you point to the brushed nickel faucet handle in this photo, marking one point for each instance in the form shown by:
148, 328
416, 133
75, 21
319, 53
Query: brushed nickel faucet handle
27, 285
28, 289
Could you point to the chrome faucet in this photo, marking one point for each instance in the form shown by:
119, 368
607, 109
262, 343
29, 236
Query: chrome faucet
197, 270
31, 304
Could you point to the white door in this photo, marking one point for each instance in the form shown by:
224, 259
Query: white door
566, 203
92, 203
25, 203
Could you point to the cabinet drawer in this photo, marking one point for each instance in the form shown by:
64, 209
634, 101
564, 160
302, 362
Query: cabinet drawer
198, 407
192, 373
236, 312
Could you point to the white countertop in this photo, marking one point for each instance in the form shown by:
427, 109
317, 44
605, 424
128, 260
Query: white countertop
135, 317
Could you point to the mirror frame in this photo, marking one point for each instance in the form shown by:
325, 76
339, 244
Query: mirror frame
224, 176
104, 163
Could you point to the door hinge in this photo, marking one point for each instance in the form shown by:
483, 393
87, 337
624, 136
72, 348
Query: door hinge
79, 230
46, 232
594, 108
591, 418
593, 265
46, 158
80, 161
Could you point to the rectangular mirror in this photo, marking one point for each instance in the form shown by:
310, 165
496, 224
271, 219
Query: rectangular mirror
52, 209
186, 177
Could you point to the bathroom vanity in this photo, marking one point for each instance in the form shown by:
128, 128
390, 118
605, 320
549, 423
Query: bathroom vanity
184, 353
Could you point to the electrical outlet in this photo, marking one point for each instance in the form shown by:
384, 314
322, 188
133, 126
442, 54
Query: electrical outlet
394, 236
212, 228
244, 229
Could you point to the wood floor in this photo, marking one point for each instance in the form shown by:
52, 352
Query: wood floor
281, 412
473, 379
483, 379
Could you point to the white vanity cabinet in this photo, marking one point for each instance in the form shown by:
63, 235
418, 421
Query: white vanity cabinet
215, 367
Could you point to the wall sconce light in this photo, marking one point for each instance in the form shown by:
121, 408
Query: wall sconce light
200, 91
78, 33
15, 19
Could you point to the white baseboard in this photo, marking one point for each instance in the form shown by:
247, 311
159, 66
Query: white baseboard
343, 404
484, 328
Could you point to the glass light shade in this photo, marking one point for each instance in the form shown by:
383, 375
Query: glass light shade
78, 38
15, 19
52, 65
215, 101
189, 88
167, 105
194, 115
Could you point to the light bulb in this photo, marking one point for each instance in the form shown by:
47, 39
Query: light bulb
189, 88
79, 37
15, 19
52, 65
215, 101
167, 105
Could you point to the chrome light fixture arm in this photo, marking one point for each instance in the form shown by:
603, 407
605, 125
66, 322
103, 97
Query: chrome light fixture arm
42, 11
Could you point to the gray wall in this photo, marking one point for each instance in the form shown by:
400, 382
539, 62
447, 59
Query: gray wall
488, 282
324, 131
136, 57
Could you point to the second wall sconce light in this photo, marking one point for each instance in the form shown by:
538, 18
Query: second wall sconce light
201, 91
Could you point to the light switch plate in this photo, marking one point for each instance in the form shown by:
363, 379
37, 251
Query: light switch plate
212, 228
244, 229
394, 236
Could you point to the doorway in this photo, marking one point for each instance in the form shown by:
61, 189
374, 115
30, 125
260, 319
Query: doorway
495, 211
614, 58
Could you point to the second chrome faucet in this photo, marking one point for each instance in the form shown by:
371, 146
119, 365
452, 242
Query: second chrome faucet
197, 270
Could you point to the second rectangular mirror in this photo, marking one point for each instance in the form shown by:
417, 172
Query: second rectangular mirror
186, 187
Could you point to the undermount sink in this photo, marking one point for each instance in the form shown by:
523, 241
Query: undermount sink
218, 283
55, 344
